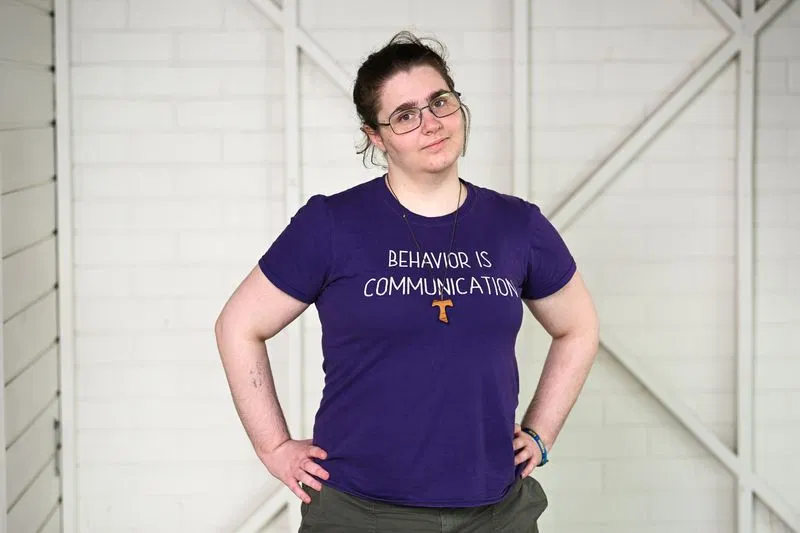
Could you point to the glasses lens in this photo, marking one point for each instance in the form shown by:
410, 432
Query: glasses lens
410, 119
405, 121
444, 105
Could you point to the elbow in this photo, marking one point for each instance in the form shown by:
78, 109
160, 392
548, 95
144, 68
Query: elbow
585, 336
594, 345
592, 333
220, 328
226, 328
588, 340
232, 328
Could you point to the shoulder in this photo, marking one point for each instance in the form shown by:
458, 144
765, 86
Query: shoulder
508, 206
341, 202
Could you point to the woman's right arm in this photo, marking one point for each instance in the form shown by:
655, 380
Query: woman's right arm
256, 312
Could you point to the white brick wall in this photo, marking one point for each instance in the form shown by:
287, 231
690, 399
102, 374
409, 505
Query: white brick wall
598, 69
669, 297
177, 118
178, 114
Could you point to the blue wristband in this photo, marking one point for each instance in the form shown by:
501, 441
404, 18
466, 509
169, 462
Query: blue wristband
539, 443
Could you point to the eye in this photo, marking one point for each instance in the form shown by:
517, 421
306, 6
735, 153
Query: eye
439, 102
403, 117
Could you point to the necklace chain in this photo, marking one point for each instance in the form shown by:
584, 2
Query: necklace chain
414, 236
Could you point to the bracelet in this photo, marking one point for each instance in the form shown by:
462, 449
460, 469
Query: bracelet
539, 443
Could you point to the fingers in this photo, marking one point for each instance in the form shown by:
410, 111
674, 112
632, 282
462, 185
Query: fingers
526, 450
306, 479
306, 470
304, 475
313, 468
530, 455
316, 470
527, 471
316, 451
294, 486
523, 456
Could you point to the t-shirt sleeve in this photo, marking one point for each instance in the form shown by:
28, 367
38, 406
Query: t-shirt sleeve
550, 263
299, 261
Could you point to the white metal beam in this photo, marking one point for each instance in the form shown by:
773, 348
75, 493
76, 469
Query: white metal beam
307, 44
724, 13
521, 116
271, 11
323, 60
267, 511
767, 13
66, 270
568, 211
745, 347
663, 394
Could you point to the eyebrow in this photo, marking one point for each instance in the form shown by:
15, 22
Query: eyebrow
410, 104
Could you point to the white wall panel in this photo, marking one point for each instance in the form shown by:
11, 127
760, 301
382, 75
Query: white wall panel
27, 96
28, 334
28, 158
28, 275
28, 455
27, 204
44, 5
53, 524
34, 508
30, 392
29, 216
26, 34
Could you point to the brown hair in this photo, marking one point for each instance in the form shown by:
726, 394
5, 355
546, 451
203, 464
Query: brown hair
403, 52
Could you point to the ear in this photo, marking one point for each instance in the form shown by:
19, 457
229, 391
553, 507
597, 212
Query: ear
374, 137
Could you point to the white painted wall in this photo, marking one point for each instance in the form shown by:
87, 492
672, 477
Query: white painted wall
178, 187
178, 167
777, 300
597, 72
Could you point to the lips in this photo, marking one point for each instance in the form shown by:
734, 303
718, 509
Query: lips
435, 144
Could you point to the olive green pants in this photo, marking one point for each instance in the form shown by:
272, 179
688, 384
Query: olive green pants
332, 511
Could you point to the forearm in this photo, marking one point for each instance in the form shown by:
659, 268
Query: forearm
565, 371
249, 376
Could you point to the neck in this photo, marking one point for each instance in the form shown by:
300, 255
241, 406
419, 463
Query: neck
429, 195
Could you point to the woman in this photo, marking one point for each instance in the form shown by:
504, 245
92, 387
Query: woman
419, 278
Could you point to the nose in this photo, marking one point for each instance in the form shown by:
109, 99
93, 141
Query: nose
430, 122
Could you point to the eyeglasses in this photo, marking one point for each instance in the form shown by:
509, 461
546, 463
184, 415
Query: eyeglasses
407, 120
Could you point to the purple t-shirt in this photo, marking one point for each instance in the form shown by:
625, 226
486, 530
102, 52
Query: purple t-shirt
416, 411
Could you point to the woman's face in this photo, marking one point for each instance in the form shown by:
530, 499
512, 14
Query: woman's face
437, 143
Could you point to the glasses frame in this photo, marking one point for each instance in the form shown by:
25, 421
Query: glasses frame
420, 109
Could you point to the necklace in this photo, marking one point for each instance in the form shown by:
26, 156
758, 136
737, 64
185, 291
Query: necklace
440, 302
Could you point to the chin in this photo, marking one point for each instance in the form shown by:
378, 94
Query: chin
436, 167
440, 162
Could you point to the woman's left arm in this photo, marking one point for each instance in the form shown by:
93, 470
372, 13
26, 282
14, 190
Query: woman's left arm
569, 316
